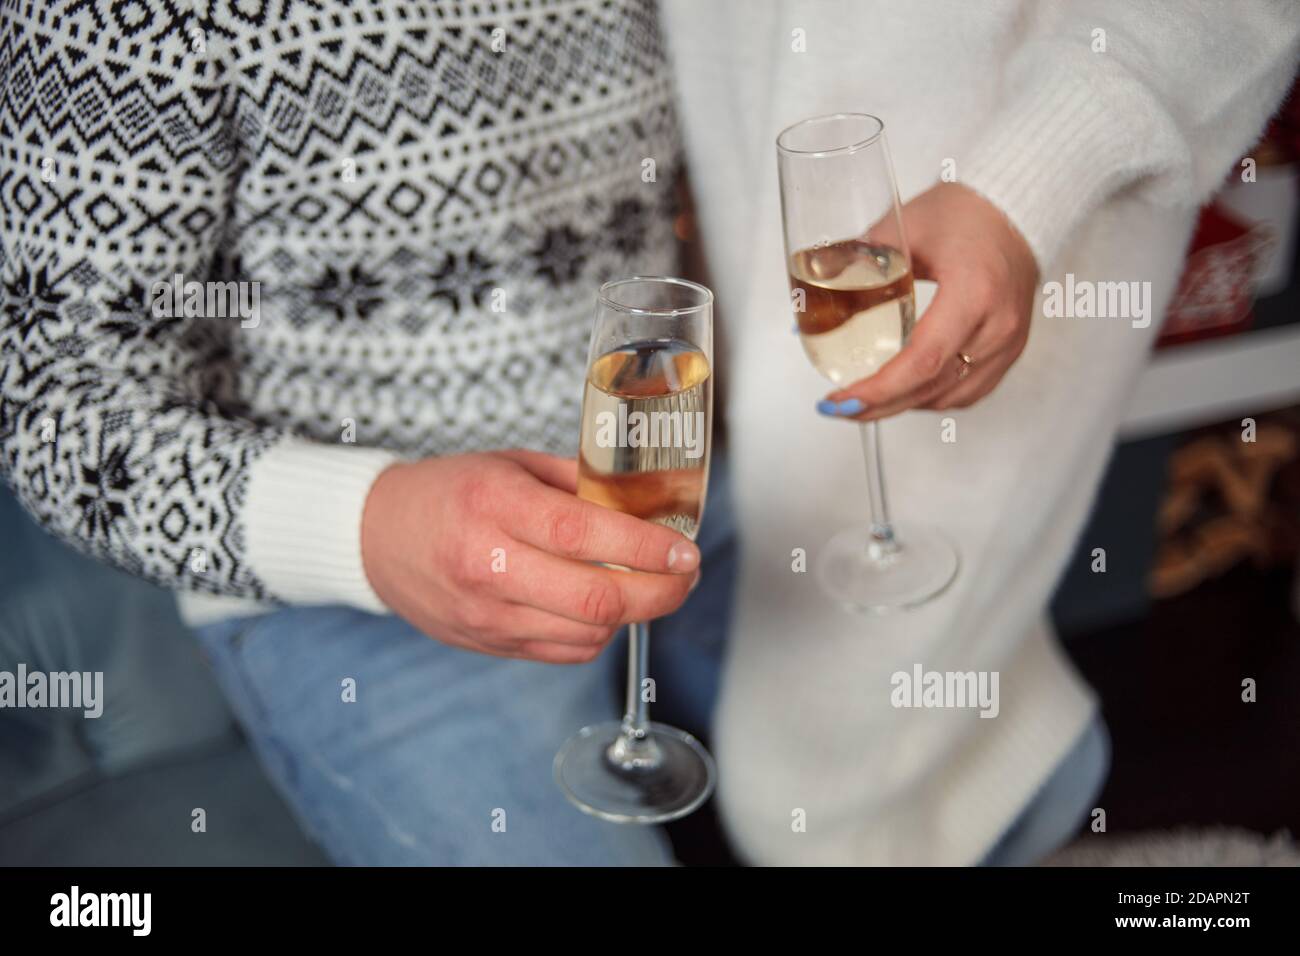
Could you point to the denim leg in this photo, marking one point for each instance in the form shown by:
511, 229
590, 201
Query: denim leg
445, 756
440, 739
1061, 804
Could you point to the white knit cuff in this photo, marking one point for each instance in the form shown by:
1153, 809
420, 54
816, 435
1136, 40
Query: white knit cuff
302, 518
1054, 154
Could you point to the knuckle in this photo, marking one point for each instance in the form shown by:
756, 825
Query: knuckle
569, 528
645, 548
602, 604
929, 360
476, 616
471, 570
475, 495
449, 560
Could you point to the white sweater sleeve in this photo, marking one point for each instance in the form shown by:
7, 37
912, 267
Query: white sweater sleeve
1175, 95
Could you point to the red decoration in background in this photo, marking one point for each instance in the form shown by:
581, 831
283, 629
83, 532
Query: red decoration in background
1216, 291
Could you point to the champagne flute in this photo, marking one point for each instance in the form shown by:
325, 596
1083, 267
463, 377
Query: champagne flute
851, 288
647, 415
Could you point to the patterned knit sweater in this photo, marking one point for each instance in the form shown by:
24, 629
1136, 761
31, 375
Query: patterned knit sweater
424, 196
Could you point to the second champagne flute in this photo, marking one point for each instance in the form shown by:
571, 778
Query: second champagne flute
851, 286
647, 416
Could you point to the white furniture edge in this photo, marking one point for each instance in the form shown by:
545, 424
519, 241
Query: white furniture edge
1206, 382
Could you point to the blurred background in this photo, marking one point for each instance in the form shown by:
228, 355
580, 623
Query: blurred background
1199, 517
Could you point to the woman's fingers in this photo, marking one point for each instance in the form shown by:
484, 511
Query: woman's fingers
928, 355
992, 351
987, 279
982, 379
919, 398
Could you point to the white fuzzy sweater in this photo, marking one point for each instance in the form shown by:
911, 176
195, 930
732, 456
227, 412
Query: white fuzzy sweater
1100, 159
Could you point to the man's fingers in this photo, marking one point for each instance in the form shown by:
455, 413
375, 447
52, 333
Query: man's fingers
587, 593
512, 631
535, 624
563, 525
549, 653
557, 472
546, 652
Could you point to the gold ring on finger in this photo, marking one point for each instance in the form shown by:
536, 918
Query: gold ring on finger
966, 363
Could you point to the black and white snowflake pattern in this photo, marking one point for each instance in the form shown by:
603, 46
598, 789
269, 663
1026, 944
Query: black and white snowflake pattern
388, 172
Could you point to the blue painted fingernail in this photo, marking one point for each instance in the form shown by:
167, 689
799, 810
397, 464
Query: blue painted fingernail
850, 406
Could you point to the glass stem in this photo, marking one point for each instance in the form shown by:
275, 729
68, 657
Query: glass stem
635, 749
881, 543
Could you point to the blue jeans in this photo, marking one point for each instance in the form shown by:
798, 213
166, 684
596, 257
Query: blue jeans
441, 744
445, 756
1061, 805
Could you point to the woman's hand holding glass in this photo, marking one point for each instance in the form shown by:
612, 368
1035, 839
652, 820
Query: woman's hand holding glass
987, 277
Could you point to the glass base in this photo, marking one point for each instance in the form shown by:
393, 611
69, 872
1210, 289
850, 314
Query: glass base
864, 576
664, 777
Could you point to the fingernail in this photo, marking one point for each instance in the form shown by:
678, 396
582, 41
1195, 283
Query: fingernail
850, 406
683, 556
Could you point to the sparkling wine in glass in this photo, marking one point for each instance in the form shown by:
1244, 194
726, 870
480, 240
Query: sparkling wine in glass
647, 415
851, 287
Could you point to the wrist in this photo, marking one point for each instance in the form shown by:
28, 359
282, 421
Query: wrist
377, 518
